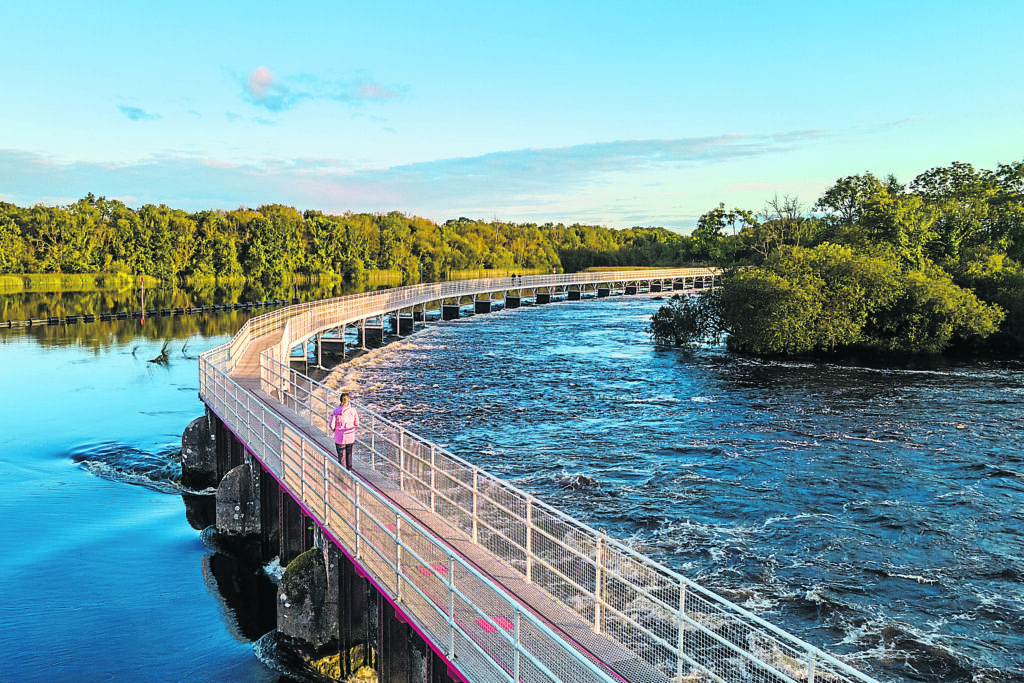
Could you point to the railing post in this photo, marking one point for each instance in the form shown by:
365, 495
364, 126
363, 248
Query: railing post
398, 557
451, 606
682, 622
515, 645
433, 479
476, 508
529, 540
401, 460
359, 533
811, 660
599, 554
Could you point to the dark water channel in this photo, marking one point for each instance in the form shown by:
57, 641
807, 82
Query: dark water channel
875, 511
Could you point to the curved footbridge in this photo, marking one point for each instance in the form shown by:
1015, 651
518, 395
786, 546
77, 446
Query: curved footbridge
499, 584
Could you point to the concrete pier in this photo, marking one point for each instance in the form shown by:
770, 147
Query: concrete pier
630, 289
371, 336
512, 302
401, 325
655, 287
328, 615
575, 295
603, 292
482, 306
450, 312
543, 297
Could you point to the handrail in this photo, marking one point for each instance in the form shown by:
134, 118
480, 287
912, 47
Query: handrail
671, 623
443, 593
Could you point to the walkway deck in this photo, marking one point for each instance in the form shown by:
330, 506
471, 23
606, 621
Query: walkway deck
502, 585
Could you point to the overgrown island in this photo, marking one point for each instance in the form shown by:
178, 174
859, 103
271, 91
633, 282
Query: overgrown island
873, 265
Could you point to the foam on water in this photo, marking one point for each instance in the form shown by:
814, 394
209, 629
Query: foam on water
848, 504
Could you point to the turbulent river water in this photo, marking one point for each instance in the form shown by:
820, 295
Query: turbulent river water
875, 511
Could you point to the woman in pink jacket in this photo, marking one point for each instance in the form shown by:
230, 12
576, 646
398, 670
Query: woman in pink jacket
344, 421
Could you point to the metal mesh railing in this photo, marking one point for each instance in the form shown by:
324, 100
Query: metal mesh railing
671, 627
478, 626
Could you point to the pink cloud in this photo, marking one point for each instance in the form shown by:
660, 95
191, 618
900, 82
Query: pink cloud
261, 80
375, 91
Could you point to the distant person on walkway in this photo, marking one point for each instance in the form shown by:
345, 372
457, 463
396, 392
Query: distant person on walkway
344, 421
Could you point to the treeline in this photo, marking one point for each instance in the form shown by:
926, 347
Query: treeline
874, 264
276, 242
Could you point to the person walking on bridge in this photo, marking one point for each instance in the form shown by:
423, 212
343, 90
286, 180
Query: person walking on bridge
343, 423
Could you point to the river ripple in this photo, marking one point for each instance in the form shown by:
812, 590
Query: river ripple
873, 511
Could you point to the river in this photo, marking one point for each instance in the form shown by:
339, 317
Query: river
875, 511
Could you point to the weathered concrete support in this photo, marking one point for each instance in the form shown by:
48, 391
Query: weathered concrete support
371, 336
295, 527
512, 301
239, 522
198, 456
418, 316
335, 345
543, 297
306, 616
450, 312
482, 306
400, 657
401, 325
326, 612
677, 286
655, 287
603, 292
357, 614
575, 295
629, 289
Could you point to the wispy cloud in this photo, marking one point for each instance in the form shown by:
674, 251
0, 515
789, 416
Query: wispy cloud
137, 114
266, 89
614, 183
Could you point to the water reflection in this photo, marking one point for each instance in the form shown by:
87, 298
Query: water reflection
104, 334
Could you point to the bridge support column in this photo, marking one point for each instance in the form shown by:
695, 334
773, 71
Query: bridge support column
450, 312
630, 289
333, 345
678, 286
200, 454
296, 528
238, 512
574, 295
482, 306
399, 657
603, 292
512, 301
543, 297
371, 335
655, 287
401, 325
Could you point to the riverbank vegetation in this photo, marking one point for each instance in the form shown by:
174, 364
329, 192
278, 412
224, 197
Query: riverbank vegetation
277, 243
874, 265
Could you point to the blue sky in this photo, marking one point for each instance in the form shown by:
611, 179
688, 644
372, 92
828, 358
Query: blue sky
619, 114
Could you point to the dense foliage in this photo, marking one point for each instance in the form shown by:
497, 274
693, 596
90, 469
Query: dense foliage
273, 242
918, 269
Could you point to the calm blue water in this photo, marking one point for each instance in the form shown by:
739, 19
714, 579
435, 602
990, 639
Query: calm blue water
102, 577
876, 512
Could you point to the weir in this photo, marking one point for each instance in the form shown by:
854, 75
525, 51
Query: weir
473, 579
